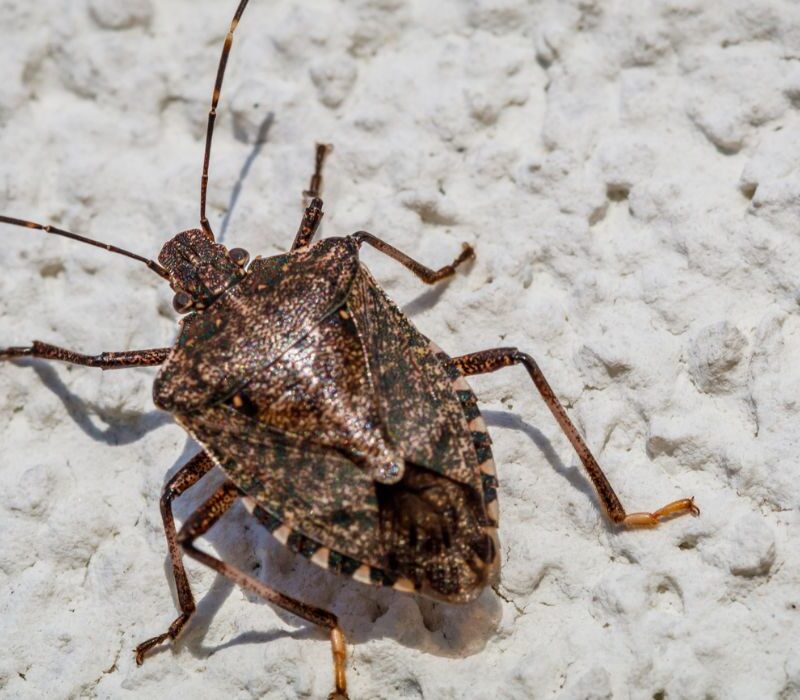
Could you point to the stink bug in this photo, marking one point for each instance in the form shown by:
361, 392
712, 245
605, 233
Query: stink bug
347, 433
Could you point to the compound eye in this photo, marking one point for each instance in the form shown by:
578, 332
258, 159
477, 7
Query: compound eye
182, 302
240, 256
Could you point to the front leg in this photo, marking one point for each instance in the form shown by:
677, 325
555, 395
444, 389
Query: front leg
321, 152
309, 225
105, 360
313, 213
491, 360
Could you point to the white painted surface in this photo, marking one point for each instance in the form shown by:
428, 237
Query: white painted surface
628, 175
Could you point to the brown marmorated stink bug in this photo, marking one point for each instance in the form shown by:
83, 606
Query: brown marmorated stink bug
349, 435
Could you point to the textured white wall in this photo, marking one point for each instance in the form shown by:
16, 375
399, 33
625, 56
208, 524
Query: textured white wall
628, 175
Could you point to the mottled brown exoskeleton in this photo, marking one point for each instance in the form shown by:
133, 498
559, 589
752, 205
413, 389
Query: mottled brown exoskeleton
348, 434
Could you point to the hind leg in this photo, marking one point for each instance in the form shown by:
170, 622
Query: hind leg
492, 360
202, 520
188, 475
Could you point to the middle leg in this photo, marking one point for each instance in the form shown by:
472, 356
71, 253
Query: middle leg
426, 274
491, 360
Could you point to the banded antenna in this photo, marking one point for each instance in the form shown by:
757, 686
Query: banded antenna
212, 114
152, 264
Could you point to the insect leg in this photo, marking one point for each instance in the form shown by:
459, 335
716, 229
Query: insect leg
105, 360
491, 360
424, 273
202, 520
212, 113
315, 186
313, 213
309, 224
188, 475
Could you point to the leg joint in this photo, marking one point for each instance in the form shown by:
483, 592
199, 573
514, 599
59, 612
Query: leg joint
206, 515
524, 359
167, 496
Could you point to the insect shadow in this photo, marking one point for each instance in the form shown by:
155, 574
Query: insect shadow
123, 426
504, 419
425, 301
261, 138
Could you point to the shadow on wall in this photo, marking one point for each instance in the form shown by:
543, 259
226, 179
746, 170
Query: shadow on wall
576, 478
122, 426
260, 140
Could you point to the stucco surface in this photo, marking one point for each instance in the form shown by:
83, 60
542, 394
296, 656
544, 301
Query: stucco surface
627, 173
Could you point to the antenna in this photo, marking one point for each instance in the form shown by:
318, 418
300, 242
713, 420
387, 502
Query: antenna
212, 114
154, 266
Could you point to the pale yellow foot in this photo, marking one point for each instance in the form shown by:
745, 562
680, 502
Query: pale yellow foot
339, 661
671, 510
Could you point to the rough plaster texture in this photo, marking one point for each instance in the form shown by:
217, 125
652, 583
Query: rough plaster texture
628, 175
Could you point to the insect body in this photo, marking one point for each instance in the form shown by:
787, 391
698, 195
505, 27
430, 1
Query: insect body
339, 421
347, 433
